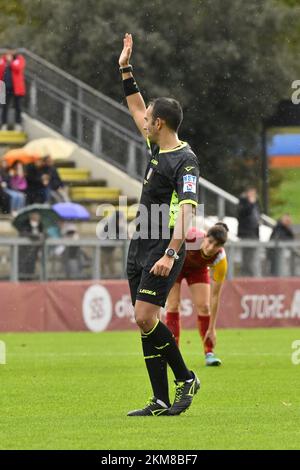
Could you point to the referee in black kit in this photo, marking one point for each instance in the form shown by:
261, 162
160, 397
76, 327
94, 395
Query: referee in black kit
157, 250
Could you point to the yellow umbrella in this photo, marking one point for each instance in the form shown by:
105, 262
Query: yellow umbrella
58, 149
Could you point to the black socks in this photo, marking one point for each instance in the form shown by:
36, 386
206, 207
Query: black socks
163, 343
157, 370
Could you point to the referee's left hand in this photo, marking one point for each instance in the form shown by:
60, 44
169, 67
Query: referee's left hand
163, 266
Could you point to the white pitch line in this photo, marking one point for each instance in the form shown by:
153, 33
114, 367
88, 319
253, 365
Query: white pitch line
111, 354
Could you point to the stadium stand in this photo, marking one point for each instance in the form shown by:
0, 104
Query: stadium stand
109, 158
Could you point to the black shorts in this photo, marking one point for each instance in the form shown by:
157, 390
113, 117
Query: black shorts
145, 286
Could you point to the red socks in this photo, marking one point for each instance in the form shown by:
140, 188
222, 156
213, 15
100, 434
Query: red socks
203, 323
173, 323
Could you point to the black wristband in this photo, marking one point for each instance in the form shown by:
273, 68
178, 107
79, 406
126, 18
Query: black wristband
130, 86
126, 69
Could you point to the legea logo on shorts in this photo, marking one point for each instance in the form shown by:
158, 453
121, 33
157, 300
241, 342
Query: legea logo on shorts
97, 308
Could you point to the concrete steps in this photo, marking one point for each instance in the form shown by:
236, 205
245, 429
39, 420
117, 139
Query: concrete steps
74, 174
13, 138
129, 212
92, 205
65, 164
84, 190
89, 183
93, 193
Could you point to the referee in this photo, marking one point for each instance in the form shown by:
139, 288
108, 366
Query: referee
157, 251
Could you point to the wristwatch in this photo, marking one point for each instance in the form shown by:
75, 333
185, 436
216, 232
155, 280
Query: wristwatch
171, 253
126, 69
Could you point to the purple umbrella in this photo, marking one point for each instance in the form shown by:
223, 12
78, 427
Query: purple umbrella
71, 210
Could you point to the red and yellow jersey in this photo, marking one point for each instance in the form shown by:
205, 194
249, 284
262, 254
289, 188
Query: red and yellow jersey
196, 260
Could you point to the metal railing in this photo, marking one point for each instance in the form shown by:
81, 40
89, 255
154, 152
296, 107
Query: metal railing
58, 259
102, 126
82, 114
250, 258
221, 203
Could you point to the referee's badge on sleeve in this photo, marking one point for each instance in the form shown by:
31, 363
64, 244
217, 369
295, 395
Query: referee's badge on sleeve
189, 184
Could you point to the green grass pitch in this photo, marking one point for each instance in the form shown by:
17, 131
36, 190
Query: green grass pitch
73, 390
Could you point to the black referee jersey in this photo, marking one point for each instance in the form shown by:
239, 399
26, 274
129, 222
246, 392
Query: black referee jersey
171, 179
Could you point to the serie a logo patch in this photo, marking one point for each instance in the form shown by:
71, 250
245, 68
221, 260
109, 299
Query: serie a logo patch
189, 184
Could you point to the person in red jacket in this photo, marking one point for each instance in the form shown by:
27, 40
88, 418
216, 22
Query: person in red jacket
12, 66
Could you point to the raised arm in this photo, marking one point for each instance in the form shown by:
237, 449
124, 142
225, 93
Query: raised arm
135, 100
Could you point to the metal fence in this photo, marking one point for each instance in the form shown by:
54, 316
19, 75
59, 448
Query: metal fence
82, 114
61, 259
221, 203
22, 259
263, 259
102, 126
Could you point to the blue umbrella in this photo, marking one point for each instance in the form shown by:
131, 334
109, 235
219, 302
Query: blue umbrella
71, 211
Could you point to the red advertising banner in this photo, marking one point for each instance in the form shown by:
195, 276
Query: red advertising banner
106, 305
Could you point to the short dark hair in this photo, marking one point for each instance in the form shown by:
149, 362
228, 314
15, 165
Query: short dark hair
219, 232
169, 110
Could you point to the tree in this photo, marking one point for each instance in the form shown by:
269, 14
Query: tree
12, 12
228, 61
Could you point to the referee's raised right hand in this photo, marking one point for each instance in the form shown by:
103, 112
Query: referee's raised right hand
127, 50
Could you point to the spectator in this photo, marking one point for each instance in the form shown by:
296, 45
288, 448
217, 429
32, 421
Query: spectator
4, 201
56, 191
17, 198
115, 229
12, 67
248, 229
37, 181
74, 258
28, 255
282, 231
18, 181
